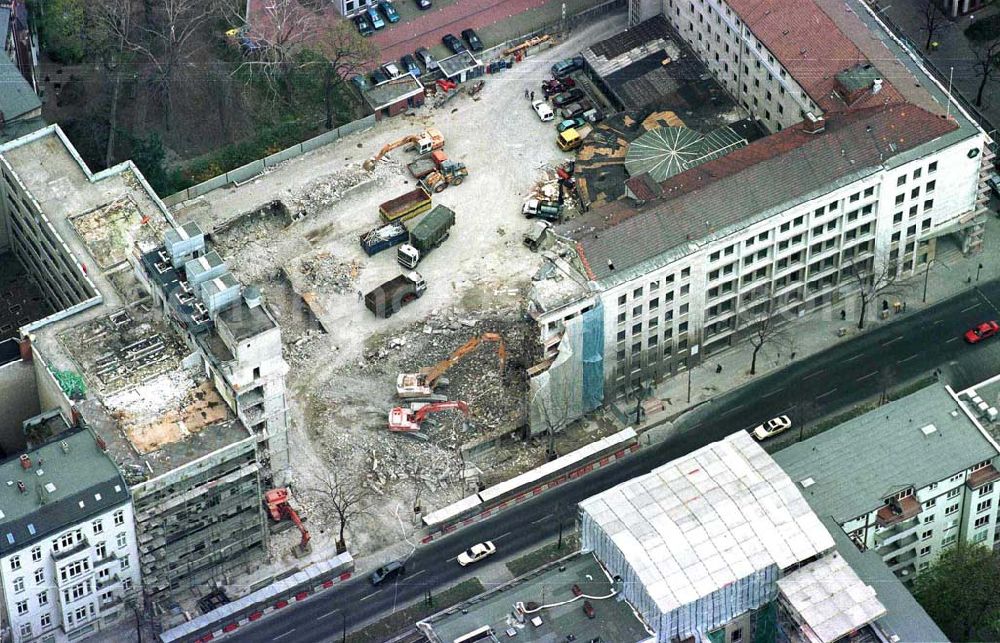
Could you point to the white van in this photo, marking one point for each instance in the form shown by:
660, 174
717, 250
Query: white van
544, 110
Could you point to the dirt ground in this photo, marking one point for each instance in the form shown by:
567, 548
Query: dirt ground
343, 361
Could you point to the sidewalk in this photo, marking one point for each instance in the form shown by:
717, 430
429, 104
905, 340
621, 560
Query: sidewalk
817, 330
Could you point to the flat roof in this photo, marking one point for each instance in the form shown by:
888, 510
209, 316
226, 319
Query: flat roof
708, 519
67, 480
911, 442
245, 322
830, 597
613, 619
391, 92
455, 65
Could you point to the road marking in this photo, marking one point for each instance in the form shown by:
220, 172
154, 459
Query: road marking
953, 339
330, 613
906, 359
733, 410
503, 535
894, 339
851, 359
830, 392
365, 598
938, 321
775, 392
972, 307
412, 576
543, 519
864, 377
281, 636
812, 375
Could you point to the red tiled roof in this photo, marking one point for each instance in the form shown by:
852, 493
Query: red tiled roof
810, 46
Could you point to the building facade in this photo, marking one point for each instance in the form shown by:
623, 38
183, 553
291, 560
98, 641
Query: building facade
69, 562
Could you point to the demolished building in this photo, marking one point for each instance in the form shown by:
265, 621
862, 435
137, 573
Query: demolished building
150, 343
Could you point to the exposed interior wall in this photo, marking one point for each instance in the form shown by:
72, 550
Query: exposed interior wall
48, 391
18, 402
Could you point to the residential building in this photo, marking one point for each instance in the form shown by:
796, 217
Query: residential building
720, 544
925, 480
148, 341
69, 561
860, 178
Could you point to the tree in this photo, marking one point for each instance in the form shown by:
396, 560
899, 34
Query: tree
984, 43
339, 53
871, 280
345, 496
961, 592
764, 324
148, 155
553, 402
934, 22
63, 26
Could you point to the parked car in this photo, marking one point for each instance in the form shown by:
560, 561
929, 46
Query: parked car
391, 70
476, 553
453, 43
379, 77
471, 37
410, 65
543, 110
594, 115
982, 331
359, 81
553, 86
570, 122
375, 17
388, 571
567, 66
364, 27
574, 109
772, 427
423, 4
568, 97
390, 11
424, 56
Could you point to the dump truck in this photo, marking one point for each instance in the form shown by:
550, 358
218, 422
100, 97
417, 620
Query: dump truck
390, 297
573, 137
426, 164
548, 210
432, 230
384, 237
405, 206
448, 173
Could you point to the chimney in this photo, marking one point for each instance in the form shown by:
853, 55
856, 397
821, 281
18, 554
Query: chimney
876, 85
21, 487
25, 347
25, 461
813, 124
611, 265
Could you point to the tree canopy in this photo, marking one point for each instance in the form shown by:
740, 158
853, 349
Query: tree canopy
961, 592
985, 30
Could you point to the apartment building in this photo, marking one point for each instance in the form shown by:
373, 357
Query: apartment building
925, 481
69, 563
859, 179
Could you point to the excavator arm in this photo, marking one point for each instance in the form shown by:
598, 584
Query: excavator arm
388, 147
435, 372
408, 421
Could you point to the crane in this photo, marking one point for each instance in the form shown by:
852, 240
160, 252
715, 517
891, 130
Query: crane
426, 141
422, 384
280, 509
408, 421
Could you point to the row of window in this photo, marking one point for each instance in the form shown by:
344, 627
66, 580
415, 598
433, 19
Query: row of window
70, 539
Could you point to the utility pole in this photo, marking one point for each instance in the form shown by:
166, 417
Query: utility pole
927, 273
978, 270
343, 623
689, 385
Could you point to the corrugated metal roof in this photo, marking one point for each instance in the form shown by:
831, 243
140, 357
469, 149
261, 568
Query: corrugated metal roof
708, 519
851, 481
667, 151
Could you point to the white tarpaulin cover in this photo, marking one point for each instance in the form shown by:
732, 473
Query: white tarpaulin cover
704, 538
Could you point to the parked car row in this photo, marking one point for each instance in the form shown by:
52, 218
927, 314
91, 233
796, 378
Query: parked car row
570, 107
457, 46
408, 64
371, 19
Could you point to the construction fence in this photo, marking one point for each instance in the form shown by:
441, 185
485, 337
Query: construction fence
258, 167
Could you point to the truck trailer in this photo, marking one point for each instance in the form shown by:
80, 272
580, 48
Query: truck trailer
390, 297
428, 234
406, 206
384, 237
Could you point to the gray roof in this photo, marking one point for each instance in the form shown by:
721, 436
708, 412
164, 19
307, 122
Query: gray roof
455, 65
857, 464
392, 91
904, 617
64, 486
4, 25
17, 98
757, 181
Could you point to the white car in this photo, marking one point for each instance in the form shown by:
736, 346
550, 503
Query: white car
772, 427
544, 110
476, 553
391, 70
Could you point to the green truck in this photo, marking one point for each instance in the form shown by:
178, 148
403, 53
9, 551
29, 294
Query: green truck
428, 234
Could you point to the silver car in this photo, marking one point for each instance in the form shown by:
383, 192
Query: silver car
424, 55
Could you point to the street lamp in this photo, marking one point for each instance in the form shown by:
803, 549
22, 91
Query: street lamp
927, 272
978, 270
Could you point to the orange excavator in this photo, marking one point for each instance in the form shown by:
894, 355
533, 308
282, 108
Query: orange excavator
408, 421
422, 384
427, 141
279, 508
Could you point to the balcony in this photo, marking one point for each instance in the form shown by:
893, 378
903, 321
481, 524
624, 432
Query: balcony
894, 547
898, 511
899, 531
978, 478
898, 562
80, 546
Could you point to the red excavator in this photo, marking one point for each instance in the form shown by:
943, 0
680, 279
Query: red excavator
422, 384
277, 504
408, 421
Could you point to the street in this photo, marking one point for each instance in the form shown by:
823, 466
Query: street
830, 381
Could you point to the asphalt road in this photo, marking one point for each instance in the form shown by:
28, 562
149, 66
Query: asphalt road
829, 381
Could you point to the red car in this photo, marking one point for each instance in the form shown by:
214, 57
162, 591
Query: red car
981, 332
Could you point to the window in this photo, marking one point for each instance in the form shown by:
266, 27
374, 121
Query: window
685, 289
685, 273
683, 309
951, 509
915, 192
39, 576
126, 584
932, 167
949, 540
621, 300
125, 563
930, 503
869, 191
929, 518
927, 534
981, 521
15, 563
46, 620
21, 607
736, 635
25, 630
928, 204
74, 569
855, 197
67, 540
635, 295
101, 550
954, 493
637, 311
76, 592
18, 584
979, 537
43, 598
930, 186
925, 551
985, 489
899, 199
36, 554
916, 173
715, 256
901, 181
984, 505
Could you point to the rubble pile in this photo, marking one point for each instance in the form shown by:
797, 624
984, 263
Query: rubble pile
326, 274
253, 246
324, 191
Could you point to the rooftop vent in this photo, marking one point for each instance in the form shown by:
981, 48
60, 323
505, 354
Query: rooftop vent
927, 430
25, 461
251, 295
51, 488
21, 487
64, 446
808, 482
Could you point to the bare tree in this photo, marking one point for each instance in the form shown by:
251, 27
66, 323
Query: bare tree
886, 379
871, 281
985, 62
339, 52
764, 325
805, 412
344, 494
553, 402
934, 22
